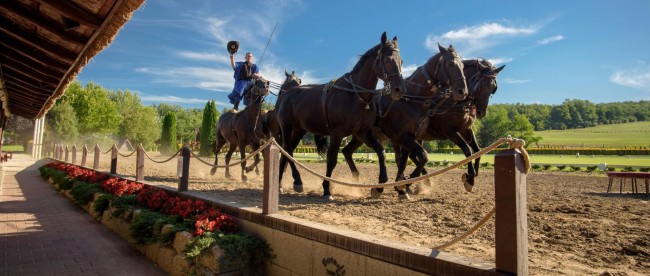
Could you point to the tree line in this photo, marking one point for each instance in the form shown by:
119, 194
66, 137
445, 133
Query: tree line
92, 114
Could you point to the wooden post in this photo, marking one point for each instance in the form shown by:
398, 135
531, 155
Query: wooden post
60, 152
96, 160
67, 153
271, 195
511, 226
139, 164
54, 151
84, 155
114, 159
183, 184
74, 154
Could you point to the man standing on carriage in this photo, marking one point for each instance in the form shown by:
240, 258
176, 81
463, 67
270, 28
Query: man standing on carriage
244, 72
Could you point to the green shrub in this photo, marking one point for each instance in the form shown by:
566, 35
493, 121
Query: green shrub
611, 169
536, 167
200, 243
102, 203
244, 250
122, 203
83, 192
60, 178
486, 164
629, 169
576, 168
143, 229
592, 168
547, 167
561, 167
646, 169
437, 163
168, 237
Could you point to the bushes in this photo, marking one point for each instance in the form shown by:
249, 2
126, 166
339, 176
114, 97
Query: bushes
144, 230
83, 192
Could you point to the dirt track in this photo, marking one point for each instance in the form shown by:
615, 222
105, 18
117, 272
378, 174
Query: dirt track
575, 228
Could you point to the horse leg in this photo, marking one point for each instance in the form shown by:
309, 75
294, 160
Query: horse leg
231, 150
242, 154
217, 148
475, 148
413, 149
401, 166
250, 168
290, 141
332, 154
468, 178
348, 150
371, 141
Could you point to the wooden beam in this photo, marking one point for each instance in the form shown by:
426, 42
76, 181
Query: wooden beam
53, 27
29, 71
27, 78
17, 69
22, 50
27, 85
41, 69
33, 40
74, 12
11, 88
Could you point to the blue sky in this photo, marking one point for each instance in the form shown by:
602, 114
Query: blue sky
174, 51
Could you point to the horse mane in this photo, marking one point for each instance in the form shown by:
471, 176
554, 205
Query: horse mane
372, 51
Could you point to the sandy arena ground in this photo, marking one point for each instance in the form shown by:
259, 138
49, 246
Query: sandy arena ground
575, 228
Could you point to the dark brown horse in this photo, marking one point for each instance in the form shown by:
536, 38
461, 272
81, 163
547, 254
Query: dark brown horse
242, 128
342, 107
403, 121
270, 125
456, 122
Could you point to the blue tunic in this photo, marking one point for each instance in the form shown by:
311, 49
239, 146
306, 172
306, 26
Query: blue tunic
240, 84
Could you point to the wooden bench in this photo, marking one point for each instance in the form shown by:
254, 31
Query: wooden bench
633, 176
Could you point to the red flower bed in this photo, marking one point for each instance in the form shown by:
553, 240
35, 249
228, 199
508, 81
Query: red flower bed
205, 218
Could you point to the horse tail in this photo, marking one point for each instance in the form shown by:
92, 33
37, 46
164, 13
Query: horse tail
321, 144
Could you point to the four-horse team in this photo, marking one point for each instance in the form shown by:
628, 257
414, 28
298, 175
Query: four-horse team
440, 100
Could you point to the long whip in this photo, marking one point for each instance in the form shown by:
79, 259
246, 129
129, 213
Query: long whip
267, 43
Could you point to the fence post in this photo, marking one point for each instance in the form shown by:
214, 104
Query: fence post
74, 154
84, 155
67, 153
139, 164
114, 159
60, 152
271, 195
511, 226
185, 177
96, 160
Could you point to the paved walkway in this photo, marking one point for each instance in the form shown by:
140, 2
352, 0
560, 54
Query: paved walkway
43, 233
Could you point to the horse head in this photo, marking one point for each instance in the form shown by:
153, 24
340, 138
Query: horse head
257, 89
388, 67
290, 81
482, 83
447, 68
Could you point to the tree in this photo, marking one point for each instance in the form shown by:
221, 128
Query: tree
96, 113
18, 130
168, 136
61, 123
522, 128
494, 126
208, 127
142, 126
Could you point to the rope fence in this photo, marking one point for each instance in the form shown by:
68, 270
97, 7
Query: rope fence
269, 158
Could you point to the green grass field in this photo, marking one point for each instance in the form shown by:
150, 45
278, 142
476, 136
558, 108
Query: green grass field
14, 148
613, 136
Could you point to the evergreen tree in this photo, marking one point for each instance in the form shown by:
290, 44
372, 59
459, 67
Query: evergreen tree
62, 123
168, 136
208, 126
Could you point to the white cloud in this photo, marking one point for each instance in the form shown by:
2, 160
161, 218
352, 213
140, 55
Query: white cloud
513, 81
473, 39
498, 61
637, 77
170, 99
204, 56
409, 69
550, 40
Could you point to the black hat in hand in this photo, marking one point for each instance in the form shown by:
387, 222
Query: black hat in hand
232, 47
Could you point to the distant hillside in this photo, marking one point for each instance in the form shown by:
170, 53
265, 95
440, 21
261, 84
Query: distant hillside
614, 135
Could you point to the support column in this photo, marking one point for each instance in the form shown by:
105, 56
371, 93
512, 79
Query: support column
271, 194
84, 155
96, 160
74, 154
511, 225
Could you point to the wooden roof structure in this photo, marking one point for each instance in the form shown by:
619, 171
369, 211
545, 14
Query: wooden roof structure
44, 44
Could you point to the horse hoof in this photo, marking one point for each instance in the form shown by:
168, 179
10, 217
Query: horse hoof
417, 189
213, 171
408, 189
404, 197
297, 188
281, 190
427, 182
244, 178
328, 197
374, 193
468, 187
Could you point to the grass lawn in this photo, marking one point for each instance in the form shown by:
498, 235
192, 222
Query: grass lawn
610, 160
615, 135
14, 148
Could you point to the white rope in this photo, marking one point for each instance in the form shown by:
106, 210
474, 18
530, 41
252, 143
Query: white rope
514, 143
126, 155
250, 155
165, 161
